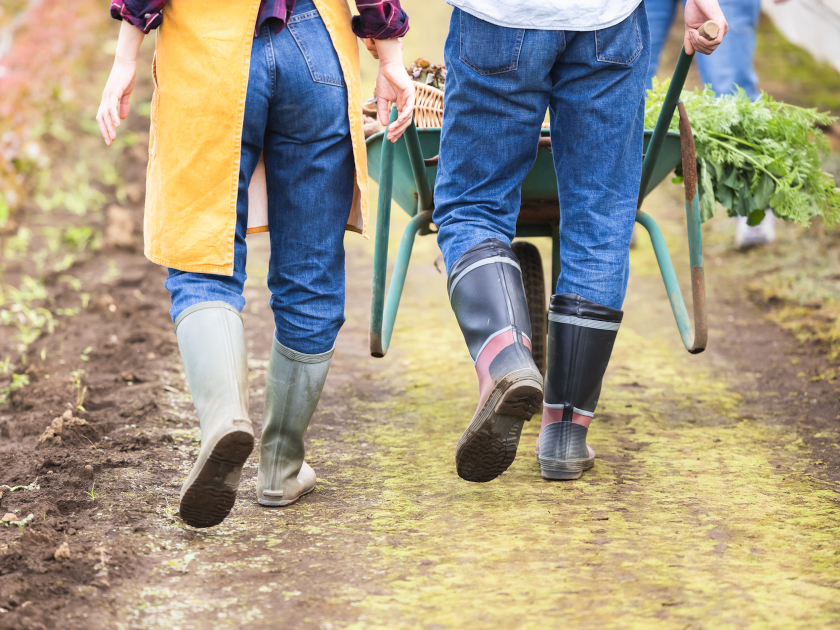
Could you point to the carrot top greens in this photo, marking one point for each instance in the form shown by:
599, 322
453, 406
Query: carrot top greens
756, 154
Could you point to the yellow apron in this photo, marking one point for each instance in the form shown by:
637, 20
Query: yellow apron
202, 60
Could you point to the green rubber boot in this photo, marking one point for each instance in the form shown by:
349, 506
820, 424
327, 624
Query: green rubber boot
212, 343
292, 390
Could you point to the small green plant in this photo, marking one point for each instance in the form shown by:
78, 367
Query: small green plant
21, 523
78, 238
81, 390
18, 381
84, 356
74, 282
182, 564
32, 486
92, 493
5, 211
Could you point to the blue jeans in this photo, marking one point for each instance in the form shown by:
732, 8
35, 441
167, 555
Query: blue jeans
732, 63
296, 114
499, 83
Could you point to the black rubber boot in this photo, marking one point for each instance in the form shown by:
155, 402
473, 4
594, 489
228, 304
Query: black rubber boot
486, 293
581, 335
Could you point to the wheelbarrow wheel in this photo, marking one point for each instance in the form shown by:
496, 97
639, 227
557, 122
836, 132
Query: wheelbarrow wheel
532, 277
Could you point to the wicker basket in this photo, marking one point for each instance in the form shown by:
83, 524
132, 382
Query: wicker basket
428, 105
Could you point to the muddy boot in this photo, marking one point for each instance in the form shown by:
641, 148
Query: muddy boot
212, 343
581, 335
292, 390
486, 293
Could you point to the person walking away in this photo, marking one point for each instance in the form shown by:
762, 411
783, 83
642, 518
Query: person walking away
507, 61
728, 69
255, 126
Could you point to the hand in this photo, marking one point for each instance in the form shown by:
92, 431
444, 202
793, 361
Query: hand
371, 46
697, 12
115, 99
393, 85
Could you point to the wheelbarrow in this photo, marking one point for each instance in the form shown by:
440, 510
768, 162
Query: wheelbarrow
406, 170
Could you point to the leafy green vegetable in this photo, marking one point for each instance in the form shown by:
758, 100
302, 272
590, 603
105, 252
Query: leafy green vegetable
756, 154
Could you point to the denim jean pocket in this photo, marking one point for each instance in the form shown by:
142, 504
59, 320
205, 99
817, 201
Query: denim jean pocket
619, 44
317, 48
488, 48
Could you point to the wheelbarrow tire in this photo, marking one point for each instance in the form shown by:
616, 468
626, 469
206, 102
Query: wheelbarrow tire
530, 262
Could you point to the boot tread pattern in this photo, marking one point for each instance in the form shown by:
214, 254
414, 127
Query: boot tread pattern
488, 446
212, 494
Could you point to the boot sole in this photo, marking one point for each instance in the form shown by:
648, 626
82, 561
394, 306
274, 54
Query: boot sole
564, 470
210, 490
488, 446
284, 502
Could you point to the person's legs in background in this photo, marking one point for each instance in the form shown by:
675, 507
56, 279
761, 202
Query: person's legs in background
597, 124
731, 67
497, 89
310, 174
660, 15
206, 311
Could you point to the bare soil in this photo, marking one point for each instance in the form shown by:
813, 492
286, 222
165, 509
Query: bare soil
108, 490
111, 485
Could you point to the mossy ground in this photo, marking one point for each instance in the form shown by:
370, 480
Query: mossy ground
712, 504
701, 510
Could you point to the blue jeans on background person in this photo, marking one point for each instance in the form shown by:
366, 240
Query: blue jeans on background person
499, 83
296, 114
731, 64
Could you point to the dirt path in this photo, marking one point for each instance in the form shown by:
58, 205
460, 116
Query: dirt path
713, 501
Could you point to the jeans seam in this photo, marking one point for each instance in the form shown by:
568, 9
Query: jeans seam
303, 16
269, 54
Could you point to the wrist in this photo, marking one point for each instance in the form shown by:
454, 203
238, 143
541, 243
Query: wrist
125, 60
389, 50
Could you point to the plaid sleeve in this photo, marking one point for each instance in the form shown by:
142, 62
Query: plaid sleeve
144, 14
380, 19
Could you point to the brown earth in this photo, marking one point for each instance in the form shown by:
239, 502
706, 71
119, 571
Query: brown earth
357, 553
112, 484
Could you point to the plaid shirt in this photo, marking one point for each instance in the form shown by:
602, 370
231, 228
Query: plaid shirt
379, 19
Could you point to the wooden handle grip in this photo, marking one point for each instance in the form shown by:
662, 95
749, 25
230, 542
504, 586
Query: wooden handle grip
709, 30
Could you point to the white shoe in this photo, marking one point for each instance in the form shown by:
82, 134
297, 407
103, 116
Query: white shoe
747, 236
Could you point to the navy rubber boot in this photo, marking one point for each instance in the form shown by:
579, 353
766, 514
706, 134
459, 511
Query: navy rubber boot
488, 297
581, 335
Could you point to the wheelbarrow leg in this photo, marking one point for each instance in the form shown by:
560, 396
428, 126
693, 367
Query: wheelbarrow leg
383, 311
380, 249
379, 342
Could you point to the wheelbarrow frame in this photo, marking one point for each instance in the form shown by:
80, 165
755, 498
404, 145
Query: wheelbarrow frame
541, 218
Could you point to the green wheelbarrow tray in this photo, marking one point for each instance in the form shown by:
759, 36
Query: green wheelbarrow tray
406, 171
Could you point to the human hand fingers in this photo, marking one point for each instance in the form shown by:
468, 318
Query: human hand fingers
125, 105
698, 14
101, 122
114, 109
105, 113
383, 108
371, 46
405, 106
701, 44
